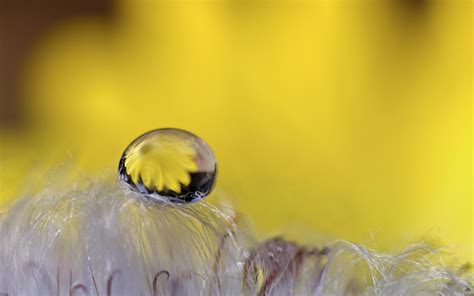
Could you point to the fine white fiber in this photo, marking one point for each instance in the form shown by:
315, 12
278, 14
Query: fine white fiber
95, 238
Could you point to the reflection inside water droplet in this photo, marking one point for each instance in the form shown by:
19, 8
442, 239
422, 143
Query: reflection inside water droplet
169, 164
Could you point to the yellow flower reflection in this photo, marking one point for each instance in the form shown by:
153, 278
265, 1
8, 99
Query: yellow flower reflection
161, 163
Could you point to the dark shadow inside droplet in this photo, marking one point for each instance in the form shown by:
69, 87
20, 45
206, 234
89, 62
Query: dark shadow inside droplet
200, 185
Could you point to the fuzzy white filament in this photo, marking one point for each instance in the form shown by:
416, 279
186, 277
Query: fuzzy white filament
101, 240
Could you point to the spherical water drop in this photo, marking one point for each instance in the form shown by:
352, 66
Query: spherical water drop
169, 165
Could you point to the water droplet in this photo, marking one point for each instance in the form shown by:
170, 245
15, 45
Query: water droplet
169, 164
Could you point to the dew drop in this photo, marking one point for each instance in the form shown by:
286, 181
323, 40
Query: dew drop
169, 165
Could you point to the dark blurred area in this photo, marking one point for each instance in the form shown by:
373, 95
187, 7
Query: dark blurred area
22, 23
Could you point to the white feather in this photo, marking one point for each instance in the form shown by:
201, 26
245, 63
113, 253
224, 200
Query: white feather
99, 239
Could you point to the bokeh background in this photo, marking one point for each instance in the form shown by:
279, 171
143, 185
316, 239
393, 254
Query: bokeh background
329, 119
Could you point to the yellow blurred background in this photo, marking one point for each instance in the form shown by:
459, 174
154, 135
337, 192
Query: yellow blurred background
348, 119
